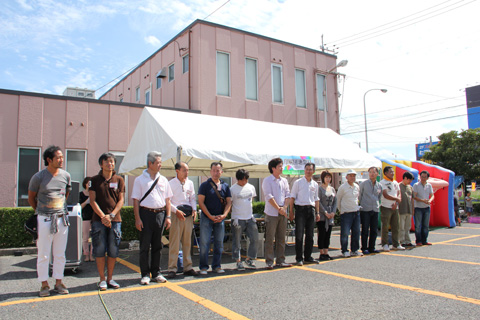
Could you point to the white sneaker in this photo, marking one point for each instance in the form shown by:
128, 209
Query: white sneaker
357, 253
400, 247
159, 279
145, 281
203, 272
102, 285
346, 254
219, 270
386, 247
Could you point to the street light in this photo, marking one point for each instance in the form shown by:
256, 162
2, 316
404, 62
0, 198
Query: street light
365, 114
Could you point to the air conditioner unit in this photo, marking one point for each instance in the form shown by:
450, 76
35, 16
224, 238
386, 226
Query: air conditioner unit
162, 73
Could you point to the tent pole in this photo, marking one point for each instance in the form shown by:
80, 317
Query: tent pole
179, 154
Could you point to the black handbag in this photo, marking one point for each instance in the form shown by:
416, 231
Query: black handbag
185, 209
31, 226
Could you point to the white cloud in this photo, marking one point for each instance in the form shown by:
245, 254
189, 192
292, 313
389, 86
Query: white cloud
153, 41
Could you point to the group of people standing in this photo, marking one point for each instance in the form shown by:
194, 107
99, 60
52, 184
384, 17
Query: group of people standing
159, 204
397, 202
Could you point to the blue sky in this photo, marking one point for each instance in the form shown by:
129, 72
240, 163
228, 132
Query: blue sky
424, 52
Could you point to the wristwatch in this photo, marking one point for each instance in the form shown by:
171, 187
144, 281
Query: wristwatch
112, 216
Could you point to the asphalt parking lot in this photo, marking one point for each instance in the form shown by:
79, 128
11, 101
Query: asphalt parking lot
430, 282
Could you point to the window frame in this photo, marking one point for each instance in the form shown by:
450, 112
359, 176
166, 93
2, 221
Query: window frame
281, 83
84, 162
159, 83
137, 94
149, 91
256, 79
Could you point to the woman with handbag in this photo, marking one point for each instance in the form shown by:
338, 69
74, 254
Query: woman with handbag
87, 213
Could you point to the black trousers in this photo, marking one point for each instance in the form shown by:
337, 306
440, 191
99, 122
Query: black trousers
323, 240
151, 240
369, 220
304, 225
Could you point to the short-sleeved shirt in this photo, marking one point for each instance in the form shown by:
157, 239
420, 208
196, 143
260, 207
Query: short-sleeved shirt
182, 194
305, 193
242, 201
406, 191
370, 195
157, 197
51, 191
469, 202
392, 188
107, 194
87, 211
212, 202
423, 192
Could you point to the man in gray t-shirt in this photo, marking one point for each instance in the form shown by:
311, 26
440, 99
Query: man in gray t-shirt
47, 194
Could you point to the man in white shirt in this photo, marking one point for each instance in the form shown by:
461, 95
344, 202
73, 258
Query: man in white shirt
347, 201
243, 219
277, 193
184, 211
306, 213
152, 214
391, 198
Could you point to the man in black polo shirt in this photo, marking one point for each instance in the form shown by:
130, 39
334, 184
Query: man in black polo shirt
215, 200
106, 198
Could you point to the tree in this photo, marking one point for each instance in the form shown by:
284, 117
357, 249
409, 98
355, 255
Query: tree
459, 152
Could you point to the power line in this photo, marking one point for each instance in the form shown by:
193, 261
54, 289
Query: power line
404, 107
216, 10
411, 123
374, 36
385, 24
106, 84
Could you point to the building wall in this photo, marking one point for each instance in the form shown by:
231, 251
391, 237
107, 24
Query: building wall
37, 121
205, 39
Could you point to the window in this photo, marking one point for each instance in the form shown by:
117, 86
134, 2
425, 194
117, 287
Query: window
119, 158
223, 74
321, 92
185, 63
137, 94
28, 165
277, 83
251, 82
147, 97
300, 90
80, 94
227, 180
75, 160
159, 83
89, 95
171, 72
256, 183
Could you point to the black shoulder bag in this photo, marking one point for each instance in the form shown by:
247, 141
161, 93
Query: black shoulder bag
222, 199
149, 190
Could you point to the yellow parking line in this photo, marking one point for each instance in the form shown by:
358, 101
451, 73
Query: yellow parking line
215, 307
450, 234
398, 286
459, 244
457, 239
429, 258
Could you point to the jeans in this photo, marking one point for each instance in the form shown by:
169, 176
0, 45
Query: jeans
350, 221
422, 221
304, 224
390, 216
369, 228
106, 239
207, 227
250, 228
151, 239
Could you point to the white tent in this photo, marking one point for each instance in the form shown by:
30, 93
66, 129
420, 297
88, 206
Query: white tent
201, 139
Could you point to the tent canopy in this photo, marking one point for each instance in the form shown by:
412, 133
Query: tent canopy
236, 143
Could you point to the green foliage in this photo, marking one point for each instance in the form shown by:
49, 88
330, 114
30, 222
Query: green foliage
12, 233
129, 232
258, 207
459, 152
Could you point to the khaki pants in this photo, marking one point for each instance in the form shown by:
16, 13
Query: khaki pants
389, 216
275, 229
180, 232
405, 225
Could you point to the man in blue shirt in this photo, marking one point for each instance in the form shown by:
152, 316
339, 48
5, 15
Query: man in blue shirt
215, 200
